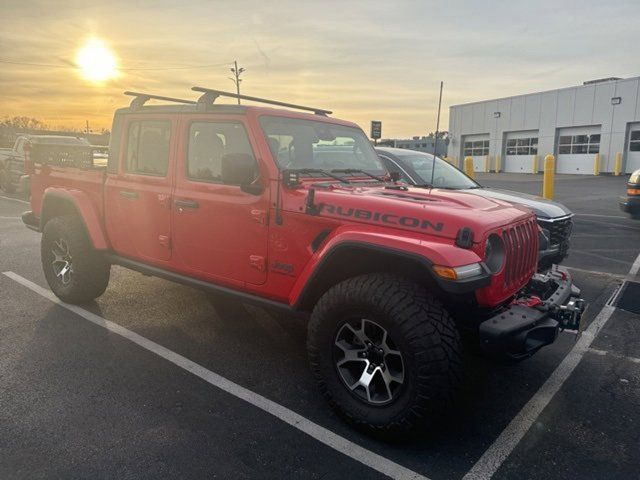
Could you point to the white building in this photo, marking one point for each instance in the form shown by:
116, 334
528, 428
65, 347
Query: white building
574, 124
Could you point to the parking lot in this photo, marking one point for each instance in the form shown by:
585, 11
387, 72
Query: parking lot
151, 381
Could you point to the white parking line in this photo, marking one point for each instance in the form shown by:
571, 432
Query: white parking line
597, 272
497, 453
488, 464
14, 200
327, 437
634, 269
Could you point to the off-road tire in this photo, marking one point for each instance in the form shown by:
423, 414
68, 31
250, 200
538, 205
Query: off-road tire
421, 329
91, 271
5, 181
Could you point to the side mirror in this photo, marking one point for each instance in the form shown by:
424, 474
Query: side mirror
240, 169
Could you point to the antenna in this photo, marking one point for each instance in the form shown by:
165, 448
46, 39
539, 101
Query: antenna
435, 142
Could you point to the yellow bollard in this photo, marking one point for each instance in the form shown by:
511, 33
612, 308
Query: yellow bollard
617, 168
596, 164
535, 164
547, 181
486, 164
498, 163
468, 167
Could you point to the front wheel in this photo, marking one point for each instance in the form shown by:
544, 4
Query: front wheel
75, 272
385, 353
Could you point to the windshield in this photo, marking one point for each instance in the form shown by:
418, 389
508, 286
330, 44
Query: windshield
307, 144
445, 175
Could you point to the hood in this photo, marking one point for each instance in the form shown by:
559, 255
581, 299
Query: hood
542, 207
433, 212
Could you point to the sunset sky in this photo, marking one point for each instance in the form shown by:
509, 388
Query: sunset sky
367, 60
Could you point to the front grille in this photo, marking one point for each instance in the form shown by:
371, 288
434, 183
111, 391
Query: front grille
559, 230
521, 249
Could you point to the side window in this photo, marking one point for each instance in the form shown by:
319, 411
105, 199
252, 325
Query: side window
148, 147
209, 144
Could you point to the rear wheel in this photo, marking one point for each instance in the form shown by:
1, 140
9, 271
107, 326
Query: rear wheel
385, 353
75, 272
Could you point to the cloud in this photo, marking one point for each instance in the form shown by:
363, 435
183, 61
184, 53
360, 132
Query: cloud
364, 60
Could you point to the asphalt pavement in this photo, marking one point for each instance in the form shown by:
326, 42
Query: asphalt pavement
152, 381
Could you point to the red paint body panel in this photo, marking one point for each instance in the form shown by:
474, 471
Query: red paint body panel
232, 237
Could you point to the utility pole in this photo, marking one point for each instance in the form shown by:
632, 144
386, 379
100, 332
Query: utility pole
236, 73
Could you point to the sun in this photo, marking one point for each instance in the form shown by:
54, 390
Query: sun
96, 62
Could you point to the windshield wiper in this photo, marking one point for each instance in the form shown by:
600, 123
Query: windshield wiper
351, 171
311, 171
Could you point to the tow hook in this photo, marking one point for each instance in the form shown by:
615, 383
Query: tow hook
569, 315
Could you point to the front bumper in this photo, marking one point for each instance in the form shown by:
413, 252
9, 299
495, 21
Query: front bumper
549, 303
630, 205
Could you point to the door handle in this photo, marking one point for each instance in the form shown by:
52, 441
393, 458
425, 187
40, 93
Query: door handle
129, 195
187, 204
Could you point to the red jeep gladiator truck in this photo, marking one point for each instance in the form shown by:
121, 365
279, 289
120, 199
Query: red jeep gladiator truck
268, 206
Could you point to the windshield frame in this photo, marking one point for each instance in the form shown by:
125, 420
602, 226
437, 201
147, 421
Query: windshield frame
361, 139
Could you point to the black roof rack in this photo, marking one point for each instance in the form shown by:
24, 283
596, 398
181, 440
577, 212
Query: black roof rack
141, 98
209, 96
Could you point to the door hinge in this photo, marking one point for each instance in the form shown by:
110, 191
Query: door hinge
258, 262
164, 200
164, 240
259, 216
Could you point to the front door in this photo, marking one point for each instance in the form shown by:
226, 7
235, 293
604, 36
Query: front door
138, 196
219, 231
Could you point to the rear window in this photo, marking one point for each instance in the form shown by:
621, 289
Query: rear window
148, 147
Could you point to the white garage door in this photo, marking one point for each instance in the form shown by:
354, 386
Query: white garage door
519, 151
633, 152
476, 146
577, 148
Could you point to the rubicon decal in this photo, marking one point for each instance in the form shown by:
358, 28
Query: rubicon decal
380, 217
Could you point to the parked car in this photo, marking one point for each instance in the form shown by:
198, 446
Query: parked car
415, 168
258, 204
631, 202
12, 175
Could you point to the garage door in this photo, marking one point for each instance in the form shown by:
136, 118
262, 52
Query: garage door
477, 147
633, 150
519, 151
577, 148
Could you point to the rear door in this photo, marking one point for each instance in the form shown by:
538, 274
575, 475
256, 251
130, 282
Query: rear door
138, 196
219, 231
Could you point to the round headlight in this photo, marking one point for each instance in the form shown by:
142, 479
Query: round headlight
494, 253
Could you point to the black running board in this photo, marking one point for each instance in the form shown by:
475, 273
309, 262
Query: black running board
200, 284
